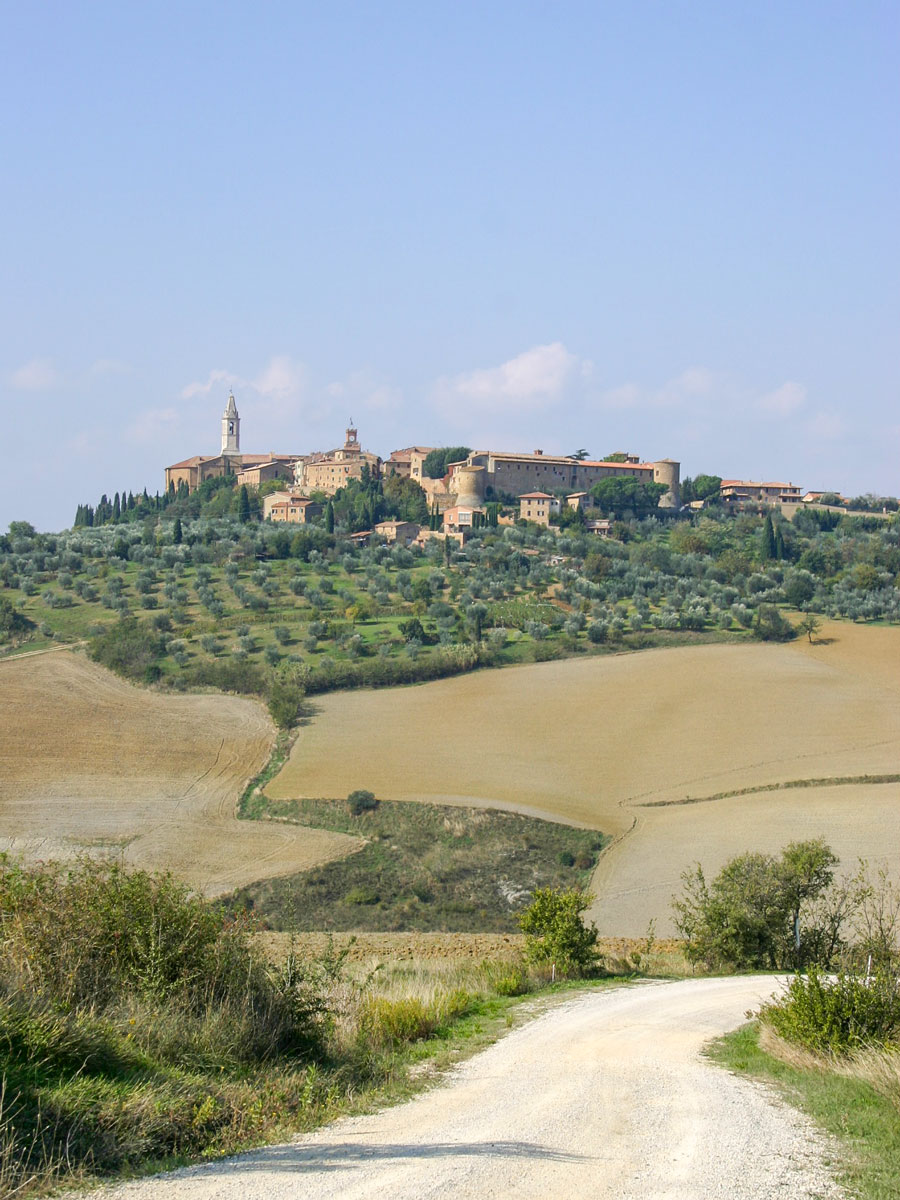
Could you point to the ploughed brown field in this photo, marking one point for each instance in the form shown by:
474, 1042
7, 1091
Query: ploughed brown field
89, 763
595, 741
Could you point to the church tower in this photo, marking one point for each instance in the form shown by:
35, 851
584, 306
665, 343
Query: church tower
231, 428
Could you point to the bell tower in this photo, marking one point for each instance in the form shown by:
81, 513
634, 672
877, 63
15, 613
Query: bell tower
231, 428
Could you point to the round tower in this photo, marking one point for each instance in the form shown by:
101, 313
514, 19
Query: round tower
668, 471
468, 483
231, 428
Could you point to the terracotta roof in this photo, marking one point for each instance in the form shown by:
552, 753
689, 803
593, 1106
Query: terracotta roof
567, 460
536, 496
754, 484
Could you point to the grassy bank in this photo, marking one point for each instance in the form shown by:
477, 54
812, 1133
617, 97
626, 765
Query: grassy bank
141, 1028
857, 1101
424, 867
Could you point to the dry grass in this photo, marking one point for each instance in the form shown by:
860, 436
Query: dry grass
91, 763
880, 1069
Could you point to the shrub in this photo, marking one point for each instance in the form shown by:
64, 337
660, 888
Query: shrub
361, 801
393, 1022
286, 694
837, 1015
556, 934
770, 625
760, 911
128, 647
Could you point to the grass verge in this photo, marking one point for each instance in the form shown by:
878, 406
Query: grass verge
865, 1121
424, 867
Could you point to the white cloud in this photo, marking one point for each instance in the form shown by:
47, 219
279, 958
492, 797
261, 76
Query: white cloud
282, 379
38, 375
536, 378
692, 390
217, 378
826, 426
362, 391
784, 400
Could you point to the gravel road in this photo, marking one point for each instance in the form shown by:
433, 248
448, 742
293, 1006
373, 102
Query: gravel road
605, 1095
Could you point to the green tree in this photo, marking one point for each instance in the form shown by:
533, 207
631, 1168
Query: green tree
243, 504
770, 625
706, 486
623, 494
809, 624
769, 549
12, 622
435, 464
361, 801
555, 933
329, 517
806, 869
177, 532
286, 693
751, 915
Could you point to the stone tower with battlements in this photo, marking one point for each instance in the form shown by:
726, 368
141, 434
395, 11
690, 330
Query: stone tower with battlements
231, 428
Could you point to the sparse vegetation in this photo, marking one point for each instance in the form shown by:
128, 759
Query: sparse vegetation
424, 867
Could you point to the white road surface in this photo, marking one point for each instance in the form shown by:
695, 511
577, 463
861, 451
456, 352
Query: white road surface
605, 1095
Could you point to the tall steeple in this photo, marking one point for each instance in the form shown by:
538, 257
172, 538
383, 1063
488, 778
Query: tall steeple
231, 428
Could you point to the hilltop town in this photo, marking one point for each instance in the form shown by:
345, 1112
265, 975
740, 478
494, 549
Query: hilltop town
499, 486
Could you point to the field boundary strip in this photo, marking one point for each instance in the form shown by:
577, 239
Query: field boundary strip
827, 781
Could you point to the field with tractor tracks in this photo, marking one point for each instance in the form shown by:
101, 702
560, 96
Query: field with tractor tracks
618, 743
89, 763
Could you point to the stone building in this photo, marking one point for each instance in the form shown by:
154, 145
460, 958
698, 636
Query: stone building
537, 507
408, 462
231, 460
290, 507
489, 473
328, 472
743, 491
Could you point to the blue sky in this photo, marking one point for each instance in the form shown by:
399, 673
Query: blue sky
663, 227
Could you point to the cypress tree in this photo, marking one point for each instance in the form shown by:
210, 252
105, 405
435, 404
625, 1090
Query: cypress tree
329, 517
768, 547
177, 532
243, 505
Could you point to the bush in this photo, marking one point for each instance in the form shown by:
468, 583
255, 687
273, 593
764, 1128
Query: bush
128, 647
762, 912
837, 1015
361, 801
770, 625
555, 933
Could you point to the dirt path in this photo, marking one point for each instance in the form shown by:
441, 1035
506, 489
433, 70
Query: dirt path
603, 1096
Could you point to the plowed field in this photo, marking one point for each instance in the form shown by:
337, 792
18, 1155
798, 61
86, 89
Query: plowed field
91, 763
592, 741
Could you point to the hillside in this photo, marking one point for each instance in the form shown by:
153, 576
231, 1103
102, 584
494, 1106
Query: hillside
221, 603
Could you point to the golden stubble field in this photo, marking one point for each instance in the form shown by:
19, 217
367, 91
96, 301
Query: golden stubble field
593, 741
89, 763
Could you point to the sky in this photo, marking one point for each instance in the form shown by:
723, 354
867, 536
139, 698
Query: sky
663, 227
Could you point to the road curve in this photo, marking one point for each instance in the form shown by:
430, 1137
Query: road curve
605, 1095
